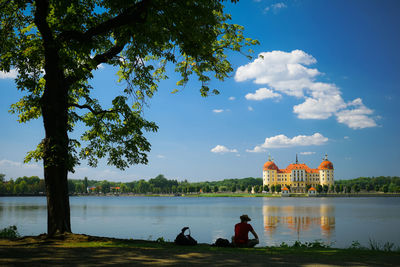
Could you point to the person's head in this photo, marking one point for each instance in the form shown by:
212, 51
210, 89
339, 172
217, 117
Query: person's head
245, 218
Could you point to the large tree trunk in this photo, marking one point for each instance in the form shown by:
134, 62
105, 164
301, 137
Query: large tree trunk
55, 146
55, 160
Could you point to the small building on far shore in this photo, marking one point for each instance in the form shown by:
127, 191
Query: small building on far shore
312, 192
285, 192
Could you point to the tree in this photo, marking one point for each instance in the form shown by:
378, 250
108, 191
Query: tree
86, 183
249, 189
272, 188
278, 188
266, 189
325, 188
319, 188
56, 46
385, 188
233, 188
2, 177
355, 188
332, 188
256, 188
337, 189
71, 187
215, 189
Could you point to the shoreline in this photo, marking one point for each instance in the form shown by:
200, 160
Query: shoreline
266, 195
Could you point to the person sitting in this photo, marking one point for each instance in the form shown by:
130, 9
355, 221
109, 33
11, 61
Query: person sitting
242, 229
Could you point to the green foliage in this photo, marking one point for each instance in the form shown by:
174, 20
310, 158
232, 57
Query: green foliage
23, 186
298, 244
382, 183
319, 188
278, 188
68, 40
9, 232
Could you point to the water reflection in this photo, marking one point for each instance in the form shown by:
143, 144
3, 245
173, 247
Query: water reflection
299, 220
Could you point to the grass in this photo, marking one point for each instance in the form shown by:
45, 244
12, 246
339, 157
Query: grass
75, 249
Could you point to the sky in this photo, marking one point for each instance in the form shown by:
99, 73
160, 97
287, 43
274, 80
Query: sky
327, 83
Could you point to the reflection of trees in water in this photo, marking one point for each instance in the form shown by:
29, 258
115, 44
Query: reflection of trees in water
299, 219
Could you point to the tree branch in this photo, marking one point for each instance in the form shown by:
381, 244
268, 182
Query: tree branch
132, 15
85, 106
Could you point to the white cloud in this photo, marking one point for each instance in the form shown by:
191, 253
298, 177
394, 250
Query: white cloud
288, 73
275, 7
101, 66
307, 153
12, 74
223, 149
250, 108
218, 110
161, 156
357, 117
232, 98
346, 137
262, 93
281, 140
14, 169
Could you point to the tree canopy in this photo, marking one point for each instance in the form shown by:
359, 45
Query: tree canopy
55, 45
138, 37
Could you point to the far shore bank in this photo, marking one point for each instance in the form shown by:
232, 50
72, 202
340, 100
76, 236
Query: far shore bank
268, 195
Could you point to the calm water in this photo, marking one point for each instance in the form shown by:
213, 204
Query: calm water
276, 220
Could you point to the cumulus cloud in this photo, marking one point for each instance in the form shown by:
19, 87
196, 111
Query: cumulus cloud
289, 73
218, 110
219, 149
232, 98
307, 153
12, 74
250, 108
281, 141
161, 156
356, 117
261, 94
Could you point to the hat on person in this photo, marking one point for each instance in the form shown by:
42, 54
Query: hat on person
244, 217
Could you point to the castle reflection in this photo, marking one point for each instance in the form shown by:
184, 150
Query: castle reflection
299, 219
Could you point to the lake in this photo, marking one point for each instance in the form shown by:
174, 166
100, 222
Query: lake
337, 221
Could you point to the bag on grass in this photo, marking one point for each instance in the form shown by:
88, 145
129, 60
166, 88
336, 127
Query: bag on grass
185, 240
221, 242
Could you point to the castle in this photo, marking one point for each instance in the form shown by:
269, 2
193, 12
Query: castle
297, 176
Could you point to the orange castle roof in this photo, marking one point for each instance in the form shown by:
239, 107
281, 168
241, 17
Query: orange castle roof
285, 189
270, 165
326, 164
312, 189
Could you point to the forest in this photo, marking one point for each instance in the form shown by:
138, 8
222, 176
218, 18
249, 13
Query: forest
161, 185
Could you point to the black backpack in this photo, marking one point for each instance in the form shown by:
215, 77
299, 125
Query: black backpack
185, 240
221, 242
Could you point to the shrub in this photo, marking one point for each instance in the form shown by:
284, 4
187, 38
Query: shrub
9, 232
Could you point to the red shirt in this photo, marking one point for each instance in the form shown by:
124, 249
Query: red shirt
241, 232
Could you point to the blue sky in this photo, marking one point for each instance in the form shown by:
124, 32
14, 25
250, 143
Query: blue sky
328, 83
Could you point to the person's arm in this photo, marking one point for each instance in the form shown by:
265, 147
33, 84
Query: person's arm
254, 233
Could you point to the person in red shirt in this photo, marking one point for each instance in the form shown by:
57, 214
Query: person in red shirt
242, 230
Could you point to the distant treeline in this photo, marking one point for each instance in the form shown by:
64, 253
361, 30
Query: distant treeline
160, 185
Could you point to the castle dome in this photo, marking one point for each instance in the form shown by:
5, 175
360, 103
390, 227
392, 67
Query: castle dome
270, 165
326, 164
